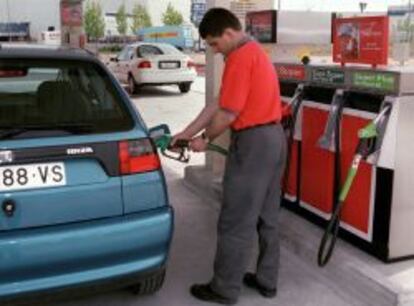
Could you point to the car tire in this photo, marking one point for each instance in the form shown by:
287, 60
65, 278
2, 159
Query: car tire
184, 87
132, 85
149, 285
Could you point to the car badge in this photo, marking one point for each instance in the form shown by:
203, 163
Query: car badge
79, 151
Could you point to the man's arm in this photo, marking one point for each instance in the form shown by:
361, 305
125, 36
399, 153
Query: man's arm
200, 123
221, 121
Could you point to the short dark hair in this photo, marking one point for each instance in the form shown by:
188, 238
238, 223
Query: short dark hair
216, 21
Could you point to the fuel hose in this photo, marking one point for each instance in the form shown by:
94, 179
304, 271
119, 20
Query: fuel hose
331, 233
366, 146
289, 125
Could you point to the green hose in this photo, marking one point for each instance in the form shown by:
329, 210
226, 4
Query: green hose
218, 149
363, 150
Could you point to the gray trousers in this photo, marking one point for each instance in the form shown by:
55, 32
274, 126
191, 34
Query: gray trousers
251, 199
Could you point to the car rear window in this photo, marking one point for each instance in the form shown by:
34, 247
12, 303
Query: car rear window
147, 50
57, 93
170, 49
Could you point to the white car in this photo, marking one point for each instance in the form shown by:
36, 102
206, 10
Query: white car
142, 64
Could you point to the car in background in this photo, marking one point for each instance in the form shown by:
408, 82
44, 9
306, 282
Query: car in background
144, 64
83, 198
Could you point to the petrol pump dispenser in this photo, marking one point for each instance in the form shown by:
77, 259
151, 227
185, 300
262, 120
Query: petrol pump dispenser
292, 77
337, 103
290, 114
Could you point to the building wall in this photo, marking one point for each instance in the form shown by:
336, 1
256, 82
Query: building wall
40, 13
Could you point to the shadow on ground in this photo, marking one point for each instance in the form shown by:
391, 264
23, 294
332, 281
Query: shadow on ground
158, 91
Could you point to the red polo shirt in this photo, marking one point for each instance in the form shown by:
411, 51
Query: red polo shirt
250, 87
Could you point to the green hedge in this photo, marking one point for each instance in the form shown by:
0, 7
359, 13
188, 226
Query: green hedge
110, 49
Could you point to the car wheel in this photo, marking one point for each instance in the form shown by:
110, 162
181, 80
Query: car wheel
149, 285
184, 87
132, 85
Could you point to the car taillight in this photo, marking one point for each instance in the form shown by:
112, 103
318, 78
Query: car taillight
191, 64
144, 64
12, 73
137, 156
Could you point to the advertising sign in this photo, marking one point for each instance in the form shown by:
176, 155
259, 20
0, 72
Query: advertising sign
291, 72
71, 13
262, 25
198, 9
361, 40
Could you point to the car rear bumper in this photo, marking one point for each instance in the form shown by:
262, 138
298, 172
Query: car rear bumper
165, 77
79, 254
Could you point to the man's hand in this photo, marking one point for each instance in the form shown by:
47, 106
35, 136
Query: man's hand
198, 144
181, 135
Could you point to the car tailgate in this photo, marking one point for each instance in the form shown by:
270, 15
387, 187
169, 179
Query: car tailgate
61, 183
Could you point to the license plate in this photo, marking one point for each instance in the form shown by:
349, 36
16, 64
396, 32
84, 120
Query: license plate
32, 176
169, 65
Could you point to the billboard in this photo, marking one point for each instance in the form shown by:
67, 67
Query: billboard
198, 9
262, 25
71, 13
361, 40
15, 29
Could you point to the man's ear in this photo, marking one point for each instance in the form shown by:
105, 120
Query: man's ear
228, 33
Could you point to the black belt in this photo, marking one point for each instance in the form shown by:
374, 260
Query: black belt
255, 126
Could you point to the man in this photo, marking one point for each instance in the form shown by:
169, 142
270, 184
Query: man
249, 104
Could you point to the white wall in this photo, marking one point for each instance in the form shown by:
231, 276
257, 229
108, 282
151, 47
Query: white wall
40, 13
314, 28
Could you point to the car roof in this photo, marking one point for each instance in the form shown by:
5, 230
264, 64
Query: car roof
27, 51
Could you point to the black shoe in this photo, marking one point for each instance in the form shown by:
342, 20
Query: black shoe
205, 293
250, 281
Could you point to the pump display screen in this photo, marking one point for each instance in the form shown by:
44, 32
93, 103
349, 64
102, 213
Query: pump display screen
375, 80
328, 76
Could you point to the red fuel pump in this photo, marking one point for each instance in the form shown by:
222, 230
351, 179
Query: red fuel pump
341, 101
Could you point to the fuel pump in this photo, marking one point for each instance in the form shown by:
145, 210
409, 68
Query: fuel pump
290, 115
372, 206
366, 146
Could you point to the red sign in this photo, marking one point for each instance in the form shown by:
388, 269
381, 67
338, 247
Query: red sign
361, 40
262, 25
291, 72
71, 14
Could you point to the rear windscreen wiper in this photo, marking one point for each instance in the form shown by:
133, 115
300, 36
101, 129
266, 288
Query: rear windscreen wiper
10, 132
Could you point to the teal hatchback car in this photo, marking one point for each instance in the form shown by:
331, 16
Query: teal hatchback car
83, 199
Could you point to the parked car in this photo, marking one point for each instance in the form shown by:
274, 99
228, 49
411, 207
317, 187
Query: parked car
83, 200
143, 64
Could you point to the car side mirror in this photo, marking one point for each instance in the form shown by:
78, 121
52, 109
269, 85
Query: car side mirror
159, 131
114, 59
